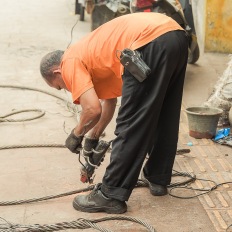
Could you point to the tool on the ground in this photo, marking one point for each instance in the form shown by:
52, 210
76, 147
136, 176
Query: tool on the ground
182, 151
93, 160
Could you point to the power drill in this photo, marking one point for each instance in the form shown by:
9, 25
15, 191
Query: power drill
93, 161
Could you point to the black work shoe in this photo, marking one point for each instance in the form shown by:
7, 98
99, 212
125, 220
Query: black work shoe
155, 189
97, 202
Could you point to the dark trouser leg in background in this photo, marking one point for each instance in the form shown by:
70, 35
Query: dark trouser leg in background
148, 118
158, 168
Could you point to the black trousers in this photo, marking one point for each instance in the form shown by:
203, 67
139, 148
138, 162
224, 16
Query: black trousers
148, 119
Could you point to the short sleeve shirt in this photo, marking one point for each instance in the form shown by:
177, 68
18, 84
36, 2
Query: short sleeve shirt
93, 62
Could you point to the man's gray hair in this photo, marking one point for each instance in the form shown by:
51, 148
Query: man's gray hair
52, 59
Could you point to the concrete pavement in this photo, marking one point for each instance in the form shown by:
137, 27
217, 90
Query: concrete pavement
30, 29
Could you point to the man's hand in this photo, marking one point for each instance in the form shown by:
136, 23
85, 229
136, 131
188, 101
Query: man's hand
90, 143
73, 142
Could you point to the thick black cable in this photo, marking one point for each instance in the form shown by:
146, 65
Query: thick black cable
191, 178
204, 190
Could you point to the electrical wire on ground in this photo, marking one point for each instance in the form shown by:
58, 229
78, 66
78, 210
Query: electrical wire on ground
203, 190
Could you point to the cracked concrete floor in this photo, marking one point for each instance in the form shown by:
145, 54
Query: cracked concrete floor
30, 29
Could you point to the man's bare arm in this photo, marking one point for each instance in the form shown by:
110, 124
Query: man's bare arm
90, 114
95, 116
108, 109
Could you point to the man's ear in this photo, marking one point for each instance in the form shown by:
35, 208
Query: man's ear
57, 70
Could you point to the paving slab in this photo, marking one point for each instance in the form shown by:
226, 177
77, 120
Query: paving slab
28, 31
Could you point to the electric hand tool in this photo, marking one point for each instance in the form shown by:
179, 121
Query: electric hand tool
93, 160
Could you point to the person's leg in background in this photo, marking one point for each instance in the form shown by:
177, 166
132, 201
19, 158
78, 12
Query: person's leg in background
158, 168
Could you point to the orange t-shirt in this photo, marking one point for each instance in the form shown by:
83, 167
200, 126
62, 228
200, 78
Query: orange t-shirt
93, 61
